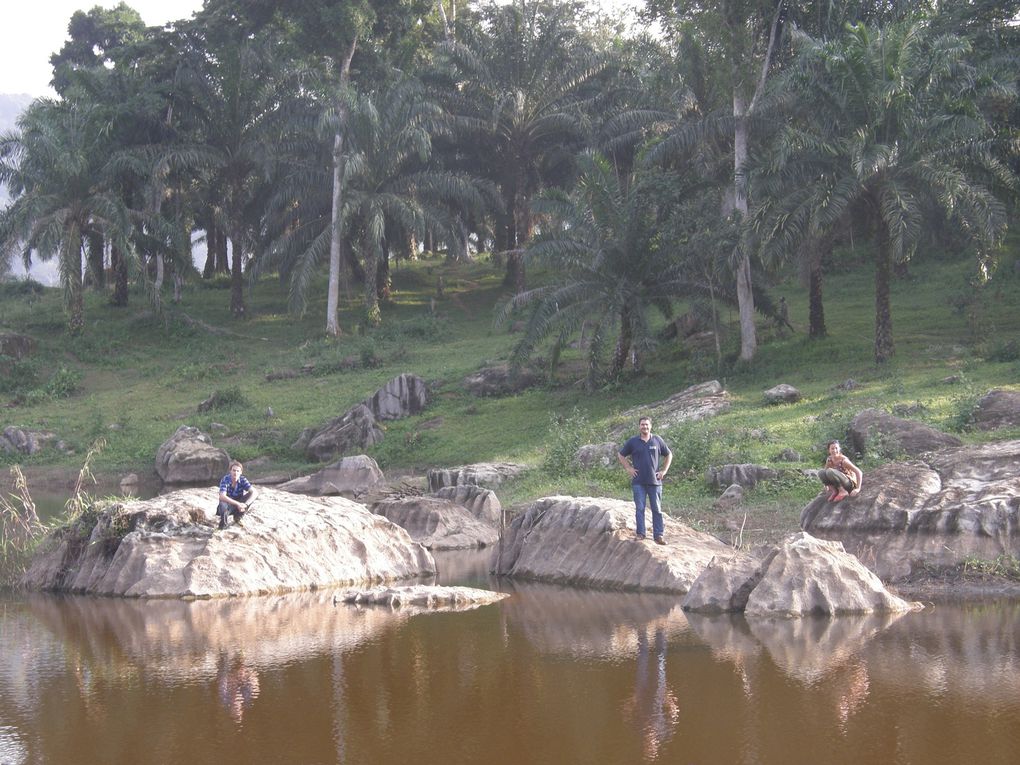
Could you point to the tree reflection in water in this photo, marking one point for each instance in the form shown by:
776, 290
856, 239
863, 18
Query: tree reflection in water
653, 707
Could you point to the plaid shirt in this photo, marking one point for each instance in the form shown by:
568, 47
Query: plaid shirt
234, 492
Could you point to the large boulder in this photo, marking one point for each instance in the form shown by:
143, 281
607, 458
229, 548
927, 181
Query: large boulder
349, 477
697, 402
491, 475
725, 584
16, 346
482, 503
998, 409
500, 380
597, 455
403, 396
188, 456
811, 576
353, 431
934, 512
747, 476
782, 394
436, 523
590, 542
896, 435
168, 547
23, 441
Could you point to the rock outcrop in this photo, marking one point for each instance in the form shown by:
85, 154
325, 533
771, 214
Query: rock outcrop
896, 435
998, 409
936, 512
697, 402
597, 455
437, 523
782, 394
803, 576
357, 429
23, 441
16, 346
188, 456
491, 475
424, 597
168, 547
748, 476
590, 542
349, 477
500, 380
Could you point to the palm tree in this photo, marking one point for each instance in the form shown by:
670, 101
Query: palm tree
894, 137
57, 167
520, 96
603, 242
390, 190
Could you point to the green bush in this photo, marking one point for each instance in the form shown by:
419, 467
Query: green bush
227, 398
64, 383
17, 376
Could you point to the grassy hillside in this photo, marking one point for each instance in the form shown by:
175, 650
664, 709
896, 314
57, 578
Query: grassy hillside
133, 378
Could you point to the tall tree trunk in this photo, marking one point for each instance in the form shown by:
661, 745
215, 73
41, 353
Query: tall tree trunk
96, 259
383, 280
623, 343
336, 254
745, 295
222, 263
883, 309
211, 243
816, 311
373, 316
237, 307
73, 284
120, 277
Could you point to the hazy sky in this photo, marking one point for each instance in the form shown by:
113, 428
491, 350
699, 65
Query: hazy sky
36, 29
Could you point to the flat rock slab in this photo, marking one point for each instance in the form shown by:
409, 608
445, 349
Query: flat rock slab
428, 597
349, 477
169, 547
932, 512
896, 434
438, 523
697, 402
490, 475
590, 542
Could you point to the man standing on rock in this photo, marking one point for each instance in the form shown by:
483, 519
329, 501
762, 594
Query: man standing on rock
645, 451
236, 494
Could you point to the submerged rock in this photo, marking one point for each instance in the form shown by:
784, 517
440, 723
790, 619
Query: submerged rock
432, 597
169, 547
591, 542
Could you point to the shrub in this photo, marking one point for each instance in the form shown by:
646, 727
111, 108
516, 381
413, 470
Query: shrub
17, 376
64, 383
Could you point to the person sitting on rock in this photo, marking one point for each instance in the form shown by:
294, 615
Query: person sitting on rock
842, 477
236, 495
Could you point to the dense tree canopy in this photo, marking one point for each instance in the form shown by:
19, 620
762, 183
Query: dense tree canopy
665, 167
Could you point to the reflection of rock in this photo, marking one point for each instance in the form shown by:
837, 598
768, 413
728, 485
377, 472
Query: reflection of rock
422, 597
181, 641
167, 547
728, 635
590, 542
953, 504
808, 649
575, 622
811, 576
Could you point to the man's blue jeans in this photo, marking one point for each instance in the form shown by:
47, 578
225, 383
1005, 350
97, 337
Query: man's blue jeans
653, 496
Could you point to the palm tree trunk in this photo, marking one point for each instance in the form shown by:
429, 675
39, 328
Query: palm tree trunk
211, 243
73, 285
745, 295
816, 311
623, 343
96, 247
373, 317
120, 276
883, 308
237, 307
336, 254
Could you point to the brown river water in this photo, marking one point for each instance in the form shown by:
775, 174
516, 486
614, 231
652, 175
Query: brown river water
550, 675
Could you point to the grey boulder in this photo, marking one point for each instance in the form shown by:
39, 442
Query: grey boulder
188, 456
349, 477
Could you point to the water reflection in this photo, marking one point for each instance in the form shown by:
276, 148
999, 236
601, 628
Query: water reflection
653, 708
237, 684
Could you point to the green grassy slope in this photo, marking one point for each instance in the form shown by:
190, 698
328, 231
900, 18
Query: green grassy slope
135, 379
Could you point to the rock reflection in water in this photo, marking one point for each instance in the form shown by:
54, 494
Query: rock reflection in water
589, 623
